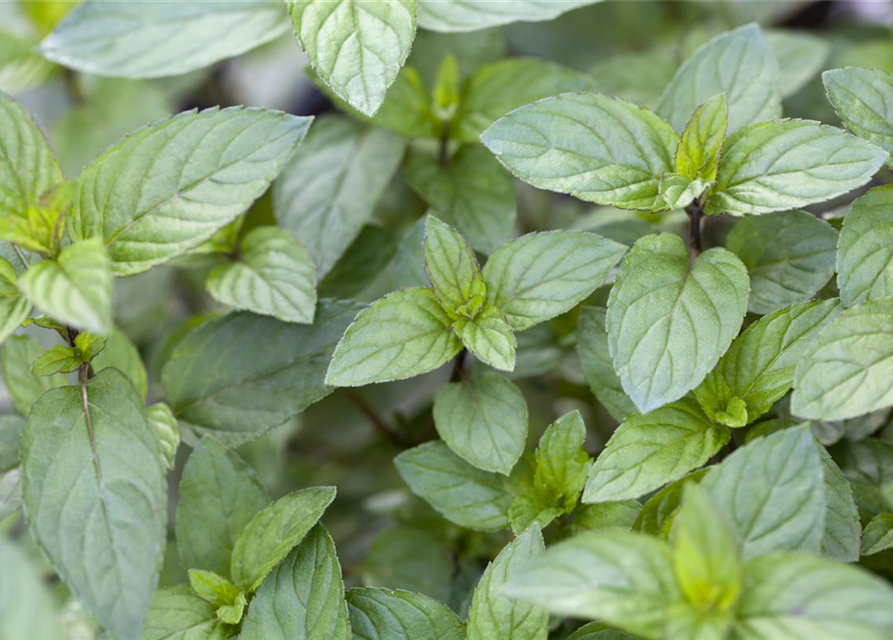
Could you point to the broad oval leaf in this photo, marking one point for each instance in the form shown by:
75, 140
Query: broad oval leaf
592, 348
671, 317
599, 149
99, 512
356, 46
786, 164
863, 98
205, 167
377, 613
865, 249
471, 15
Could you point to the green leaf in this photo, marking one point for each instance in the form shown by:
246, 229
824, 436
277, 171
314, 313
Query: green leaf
599, 631
500, 87
412, 558
868, 466
212, 587
758, 369
157, 39
679, 192
606, 515
737, 63
648, 451
800, 57
705, 553
460, 492
483, 420
799, 597
772, 490
592, 348
14, 308
492, 614
471, 192
11, 427
164, 424
76, 288
452, 270
16, 357
27, 609
697, 155
542, 275
120, 353
178, 614
599, 149
786, 164
789, 255
842, 528
659, 512
404, 334
303, 597
400, 615
99, 512
562, 463
356, 46
489, 337
238, 376
469, 15
878, 534
331, 186
865, 257
57, 359
671, 317
862, 99
274, 532
274, 276
219, 495
848, 371
210, 165
623, 578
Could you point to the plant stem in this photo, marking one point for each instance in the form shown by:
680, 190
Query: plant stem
377, 422
695, 214
458, 373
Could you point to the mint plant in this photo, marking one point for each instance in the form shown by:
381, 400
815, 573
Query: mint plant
591, 342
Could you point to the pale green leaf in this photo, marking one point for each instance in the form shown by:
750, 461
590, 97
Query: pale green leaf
303, 598
330, 188
219, 495
178, 614
76, 288
452, 270
562, 463
14, 308
842, 528
356, 46
57, 359
238, 376
404, 334
697, 155
382, 614
671, 317
207, 167
862, 99
15, 358
542, 275
592, 348
651, 450
596, 148
165, 426
737, 63
492, 614
120, 353
11, 427
273, 276
274, 532
489, 337
212, 587
99, 511
26, 608
789, 255
865, 253
848, 371
471, 15
679, 192
800, 57
483, 420
786, 164
878, 534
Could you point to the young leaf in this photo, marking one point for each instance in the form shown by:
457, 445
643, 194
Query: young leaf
484, 421
648, 451
24, 387
303, 597
848, 371
671, 317
212, 587
862, 99
468, 15
842, 528
592, 348
542, 275
758, 368
697, 155
178, 614
599, 149
356, 46
452, 270
27, 609
327, 192
400, 615
489, 337
404, 334
75, 288
783, 470
865, 255
679, 192
14, 308
56, 359
786, 164
878, 534
274, 276
562, 463
789, 255
460, 492
274, 532
737, 63
219, 495
111, 478
492, 614
623, 578
158, 39
238, 376
209, 167
471, 192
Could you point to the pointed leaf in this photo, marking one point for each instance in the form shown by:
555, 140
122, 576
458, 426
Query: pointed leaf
865, 255
452, 270
842, 528
878, 534
400, 615
489, 337
697, 155
592, 347
470, 15
862, 99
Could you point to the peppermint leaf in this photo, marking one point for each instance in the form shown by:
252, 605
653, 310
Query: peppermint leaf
864, 258
452, 270
861, 98
400, 615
